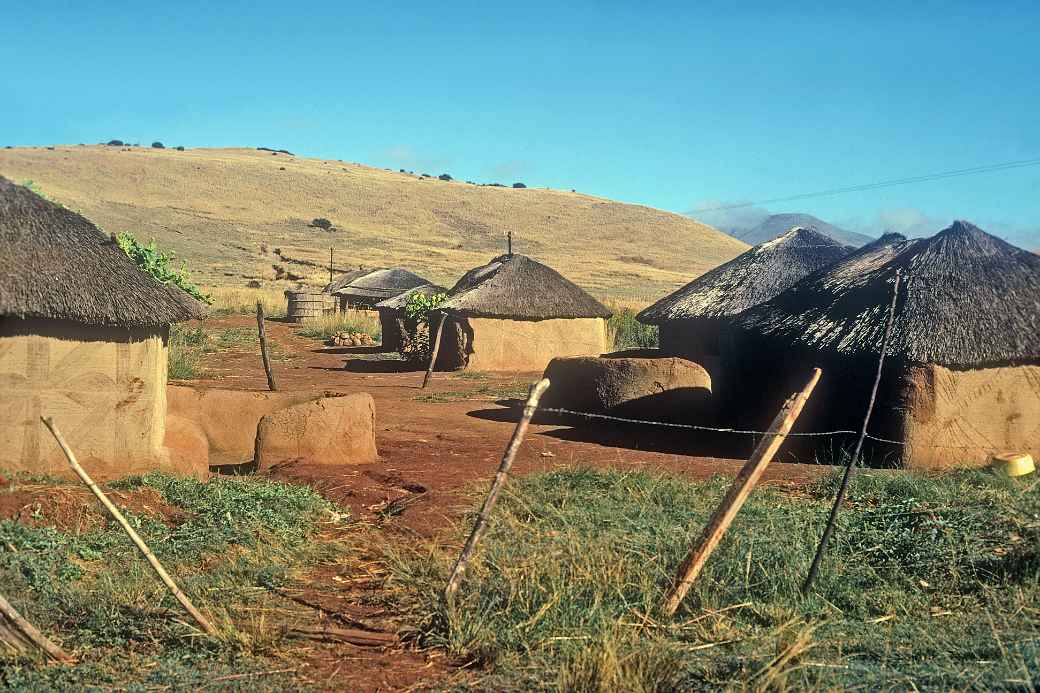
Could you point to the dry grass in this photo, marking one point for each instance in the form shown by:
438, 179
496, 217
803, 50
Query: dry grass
350, 321
227, 300
226, 211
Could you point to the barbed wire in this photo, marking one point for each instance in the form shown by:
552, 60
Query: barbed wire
740, 431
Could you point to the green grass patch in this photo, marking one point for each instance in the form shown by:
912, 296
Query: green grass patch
226, 543
186, 346
625, 332
930, 583
489, 392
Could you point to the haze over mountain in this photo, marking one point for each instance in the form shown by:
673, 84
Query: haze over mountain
241, 215
777, 224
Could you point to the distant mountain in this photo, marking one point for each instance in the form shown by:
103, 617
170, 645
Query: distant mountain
778, 224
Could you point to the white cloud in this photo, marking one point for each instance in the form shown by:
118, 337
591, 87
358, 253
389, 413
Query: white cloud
733, 220
914, 223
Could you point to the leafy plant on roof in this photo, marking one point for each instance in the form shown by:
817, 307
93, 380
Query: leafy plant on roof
159, 264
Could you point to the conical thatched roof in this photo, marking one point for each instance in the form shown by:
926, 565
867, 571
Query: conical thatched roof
375, 284
967, 299
516, 287
749, 279
56, 264
399, 301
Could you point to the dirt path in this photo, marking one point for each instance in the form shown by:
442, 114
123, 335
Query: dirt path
433, 444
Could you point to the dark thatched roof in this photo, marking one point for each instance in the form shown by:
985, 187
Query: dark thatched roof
375, 284
967, 299
515, 287
399, 301
749, 279
56, 264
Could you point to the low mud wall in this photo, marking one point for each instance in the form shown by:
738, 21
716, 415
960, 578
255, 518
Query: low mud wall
228, 418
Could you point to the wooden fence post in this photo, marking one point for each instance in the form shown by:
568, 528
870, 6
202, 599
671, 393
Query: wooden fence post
435, 347
480, 526
839, 498
20, 635
738, 493
134, 536
263, 346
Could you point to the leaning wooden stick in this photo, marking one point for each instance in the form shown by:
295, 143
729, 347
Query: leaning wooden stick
114, 511
434, 348
738, 493
839, 498
20, 634
263, 346
480, 526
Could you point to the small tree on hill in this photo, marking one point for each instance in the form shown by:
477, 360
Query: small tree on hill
322, 223
444, 176
157, 145
519, 185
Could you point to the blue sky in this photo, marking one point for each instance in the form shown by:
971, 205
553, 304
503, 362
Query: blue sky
678, 106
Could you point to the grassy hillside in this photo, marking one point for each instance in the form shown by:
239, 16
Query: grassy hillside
234, 214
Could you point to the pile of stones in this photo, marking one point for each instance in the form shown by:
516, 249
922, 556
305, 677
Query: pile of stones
351, 339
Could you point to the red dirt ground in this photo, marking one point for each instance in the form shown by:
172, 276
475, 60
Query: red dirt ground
429, 452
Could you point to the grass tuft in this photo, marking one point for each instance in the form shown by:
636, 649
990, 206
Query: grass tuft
186, 346
625, 332
326, 326
930, 582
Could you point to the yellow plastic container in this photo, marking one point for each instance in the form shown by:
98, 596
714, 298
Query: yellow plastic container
1013, 464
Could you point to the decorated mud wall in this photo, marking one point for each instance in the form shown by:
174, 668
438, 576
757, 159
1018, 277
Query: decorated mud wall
529, 345
105, 388
959, 418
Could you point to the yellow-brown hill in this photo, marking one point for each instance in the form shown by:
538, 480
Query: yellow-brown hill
235, 214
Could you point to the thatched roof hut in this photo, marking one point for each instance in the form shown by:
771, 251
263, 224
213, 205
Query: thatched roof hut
83, 338
515, 287
968, 300
396, 328
363, 288
963, 359
517, 314
56, 265
692, 318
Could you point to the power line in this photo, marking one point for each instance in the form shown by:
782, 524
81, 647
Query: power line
989, 168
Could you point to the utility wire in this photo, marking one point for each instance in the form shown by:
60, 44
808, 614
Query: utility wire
989, 168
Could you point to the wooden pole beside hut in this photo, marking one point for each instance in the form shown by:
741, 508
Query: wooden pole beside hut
749, 475
264, 355
434, 348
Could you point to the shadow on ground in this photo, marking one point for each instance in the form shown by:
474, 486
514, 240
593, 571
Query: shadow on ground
629, 436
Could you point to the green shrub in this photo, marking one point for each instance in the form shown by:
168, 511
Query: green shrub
159, 264
625, 332
416, 346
